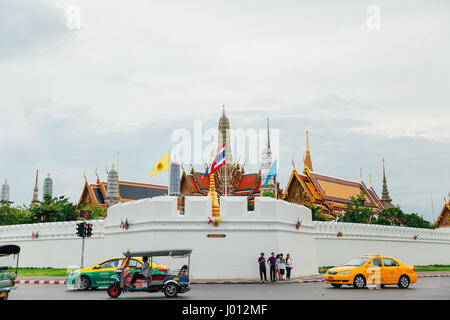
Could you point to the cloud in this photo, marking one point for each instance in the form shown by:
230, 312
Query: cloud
28, 27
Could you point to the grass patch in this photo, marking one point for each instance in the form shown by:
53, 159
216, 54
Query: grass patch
433, 267
324, 269
39, 272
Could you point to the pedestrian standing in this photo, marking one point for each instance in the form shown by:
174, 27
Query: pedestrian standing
289, 266
277, 272
272, 261
262, 267
282, 266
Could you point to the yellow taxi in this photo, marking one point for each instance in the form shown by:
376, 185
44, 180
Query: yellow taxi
373, 270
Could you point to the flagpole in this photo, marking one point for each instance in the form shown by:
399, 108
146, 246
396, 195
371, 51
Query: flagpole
168, 185
225, 172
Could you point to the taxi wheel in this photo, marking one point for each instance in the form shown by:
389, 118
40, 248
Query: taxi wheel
359, 282
336, 285
85, 283
170, 290
403, 282
114, 291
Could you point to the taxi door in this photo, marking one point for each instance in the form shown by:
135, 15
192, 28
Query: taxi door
390, 270
106, 270
373, 272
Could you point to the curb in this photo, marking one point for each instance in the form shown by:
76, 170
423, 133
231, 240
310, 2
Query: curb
63, 282
40, 282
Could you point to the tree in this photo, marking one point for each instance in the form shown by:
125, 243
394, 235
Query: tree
316, 213
413, 220
356, 211
96, 212
268, 193
54, 209
12, 215
394, 216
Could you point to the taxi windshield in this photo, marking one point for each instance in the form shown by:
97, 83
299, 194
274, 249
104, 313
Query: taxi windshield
357, 262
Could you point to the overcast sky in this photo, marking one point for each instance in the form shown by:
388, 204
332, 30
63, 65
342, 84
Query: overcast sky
71, 97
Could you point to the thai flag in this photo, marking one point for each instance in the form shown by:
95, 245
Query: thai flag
219, 160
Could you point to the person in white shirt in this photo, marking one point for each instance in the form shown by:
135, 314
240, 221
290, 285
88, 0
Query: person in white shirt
289, 266
282, 266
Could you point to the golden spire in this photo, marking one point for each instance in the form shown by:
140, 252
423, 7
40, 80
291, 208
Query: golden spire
307, 160
213, 194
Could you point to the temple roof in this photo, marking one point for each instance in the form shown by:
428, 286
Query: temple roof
444, 218
240, 184
333, 191
128, 191
339, 190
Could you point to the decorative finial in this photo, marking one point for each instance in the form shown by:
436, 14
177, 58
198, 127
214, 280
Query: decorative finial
48, 174
307, 160
223, 109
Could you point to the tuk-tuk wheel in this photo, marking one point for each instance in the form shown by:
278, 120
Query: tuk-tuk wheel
171, 290
114, 290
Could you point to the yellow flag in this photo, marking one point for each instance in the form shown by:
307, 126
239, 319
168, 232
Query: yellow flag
162, 165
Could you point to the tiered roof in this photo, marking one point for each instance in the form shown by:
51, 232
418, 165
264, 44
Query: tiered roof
444, 218
240, 184
128, 191
332, 194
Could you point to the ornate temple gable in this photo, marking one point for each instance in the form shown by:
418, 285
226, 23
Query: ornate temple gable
91, 195
296, 191
444, 218
185, 185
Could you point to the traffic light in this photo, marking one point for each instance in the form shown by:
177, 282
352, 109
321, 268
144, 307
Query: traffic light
81, 230
84, 214
88, 230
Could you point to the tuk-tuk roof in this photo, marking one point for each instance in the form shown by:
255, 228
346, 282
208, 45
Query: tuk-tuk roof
9, 249
159, 253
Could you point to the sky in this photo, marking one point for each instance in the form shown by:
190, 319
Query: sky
76, 89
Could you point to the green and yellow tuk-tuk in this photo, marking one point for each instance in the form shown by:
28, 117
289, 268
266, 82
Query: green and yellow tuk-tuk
6, 279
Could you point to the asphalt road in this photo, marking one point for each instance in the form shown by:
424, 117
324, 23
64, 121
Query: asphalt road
425, 288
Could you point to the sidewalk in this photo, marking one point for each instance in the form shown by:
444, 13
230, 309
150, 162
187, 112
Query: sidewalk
306, 279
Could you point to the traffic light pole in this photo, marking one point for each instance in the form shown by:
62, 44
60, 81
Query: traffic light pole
82, 245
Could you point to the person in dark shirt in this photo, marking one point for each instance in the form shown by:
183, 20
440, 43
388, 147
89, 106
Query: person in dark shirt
272, 261
262, 267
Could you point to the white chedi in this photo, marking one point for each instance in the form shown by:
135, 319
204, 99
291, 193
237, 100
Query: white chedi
5, 191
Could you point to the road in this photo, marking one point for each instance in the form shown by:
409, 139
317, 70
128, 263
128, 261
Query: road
425, 288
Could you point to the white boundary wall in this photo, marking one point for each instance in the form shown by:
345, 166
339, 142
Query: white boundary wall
156, 224
56, 246
432, 246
